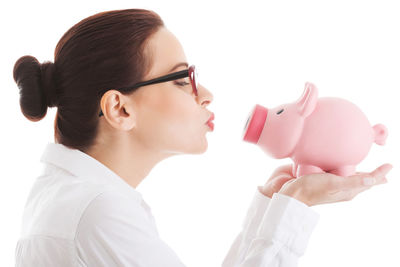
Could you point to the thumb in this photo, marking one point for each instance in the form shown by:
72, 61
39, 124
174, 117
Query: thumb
283, 179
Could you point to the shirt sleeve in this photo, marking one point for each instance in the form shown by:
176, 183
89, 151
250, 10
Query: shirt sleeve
275, 232
115, 231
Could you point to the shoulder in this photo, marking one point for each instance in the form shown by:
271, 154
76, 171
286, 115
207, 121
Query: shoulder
115, 227
112, 210
56, 203
112, 202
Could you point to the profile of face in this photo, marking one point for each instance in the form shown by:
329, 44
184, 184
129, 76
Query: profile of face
164, 117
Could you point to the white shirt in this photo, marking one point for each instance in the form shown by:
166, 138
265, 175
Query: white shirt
80, 213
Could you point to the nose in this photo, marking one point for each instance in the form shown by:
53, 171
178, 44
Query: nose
255, 124
205, 97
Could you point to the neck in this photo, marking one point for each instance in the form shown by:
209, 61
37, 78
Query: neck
129, 158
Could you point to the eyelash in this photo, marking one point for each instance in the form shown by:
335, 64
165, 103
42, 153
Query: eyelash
181, 83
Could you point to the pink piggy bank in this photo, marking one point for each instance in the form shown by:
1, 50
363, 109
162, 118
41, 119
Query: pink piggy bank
325, 134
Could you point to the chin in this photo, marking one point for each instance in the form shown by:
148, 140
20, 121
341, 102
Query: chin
200, 148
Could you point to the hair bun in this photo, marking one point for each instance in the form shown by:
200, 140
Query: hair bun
36, 86
48, 83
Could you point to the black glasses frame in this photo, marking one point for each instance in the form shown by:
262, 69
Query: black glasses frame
190, 72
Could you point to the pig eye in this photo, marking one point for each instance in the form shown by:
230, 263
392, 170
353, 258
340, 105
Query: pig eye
279, 112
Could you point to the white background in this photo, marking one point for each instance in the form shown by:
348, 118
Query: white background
247, 52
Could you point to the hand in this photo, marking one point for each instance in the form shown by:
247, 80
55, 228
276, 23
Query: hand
320, 188
279, 177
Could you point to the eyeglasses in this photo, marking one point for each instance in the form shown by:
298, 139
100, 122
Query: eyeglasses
190, 72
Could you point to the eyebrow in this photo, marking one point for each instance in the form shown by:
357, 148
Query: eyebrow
179, 64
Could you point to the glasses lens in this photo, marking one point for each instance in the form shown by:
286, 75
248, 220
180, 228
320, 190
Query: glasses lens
193, 77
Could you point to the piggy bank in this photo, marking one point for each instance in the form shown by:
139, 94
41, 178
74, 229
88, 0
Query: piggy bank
326, 134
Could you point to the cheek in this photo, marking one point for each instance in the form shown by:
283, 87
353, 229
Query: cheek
172, 118
179, 111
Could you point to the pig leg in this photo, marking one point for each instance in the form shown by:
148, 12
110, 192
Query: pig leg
294, 169
308, 169
344, 171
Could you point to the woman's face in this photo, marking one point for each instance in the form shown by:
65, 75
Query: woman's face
169, 117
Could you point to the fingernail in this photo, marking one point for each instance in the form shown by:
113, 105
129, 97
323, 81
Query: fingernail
369, 181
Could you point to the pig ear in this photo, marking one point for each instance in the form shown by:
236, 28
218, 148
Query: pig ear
307, 102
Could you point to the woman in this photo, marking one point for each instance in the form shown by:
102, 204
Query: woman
126, 99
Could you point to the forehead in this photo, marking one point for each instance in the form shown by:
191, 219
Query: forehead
166, 51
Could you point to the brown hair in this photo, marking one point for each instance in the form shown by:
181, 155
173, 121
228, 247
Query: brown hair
104, 51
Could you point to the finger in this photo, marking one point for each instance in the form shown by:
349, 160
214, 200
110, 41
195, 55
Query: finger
284, 169
367, 179
378, 175
381, 171
356, 181
279, 182
350, 194
287, 183
283, 179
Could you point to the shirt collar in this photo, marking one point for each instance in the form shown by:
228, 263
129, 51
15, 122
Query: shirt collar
81, 164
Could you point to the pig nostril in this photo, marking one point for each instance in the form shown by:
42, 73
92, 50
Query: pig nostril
255, 124
247, 122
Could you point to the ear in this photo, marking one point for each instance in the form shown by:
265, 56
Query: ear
307, 102
117, 112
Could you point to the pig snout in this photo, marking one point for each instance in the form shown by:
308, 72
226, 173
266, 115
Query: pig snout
255, 124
